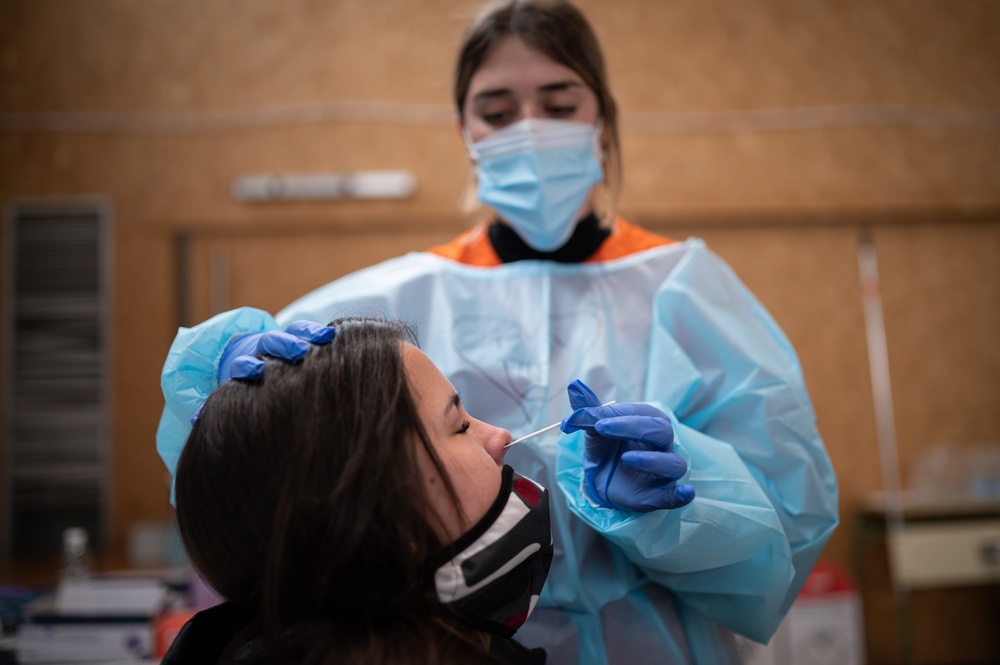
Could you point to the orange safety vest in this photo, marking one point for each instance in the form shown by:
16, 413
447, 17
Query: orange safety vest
473, 247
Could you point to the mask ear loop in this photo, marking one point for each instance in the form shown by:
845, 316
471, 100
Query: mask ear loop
601, 194
599, 152
426, 571
470, 146
470, 200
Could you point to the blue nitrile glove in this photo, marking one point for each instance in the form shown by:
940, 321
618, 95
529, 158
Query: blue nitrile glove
628, 460
239, 359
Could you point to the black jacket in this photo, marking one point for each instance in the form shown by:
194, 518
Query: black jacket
205, 639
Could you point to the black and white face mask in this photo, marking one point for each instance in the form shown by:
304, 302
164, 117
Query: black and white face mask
493, 574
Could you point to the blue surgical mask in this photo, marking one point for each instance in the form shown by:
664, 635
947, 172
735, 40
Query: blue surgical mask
537, 174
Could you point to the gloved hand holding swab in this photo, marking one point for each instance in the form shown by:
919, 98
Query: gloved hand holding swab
543, 430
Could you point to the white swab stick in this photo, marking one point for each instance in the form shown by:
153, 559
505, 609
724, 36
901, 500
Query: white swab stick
544, 430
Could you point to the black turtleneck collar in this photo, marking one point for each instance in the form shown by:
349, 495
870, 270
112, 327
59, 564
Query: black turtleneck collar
586, 238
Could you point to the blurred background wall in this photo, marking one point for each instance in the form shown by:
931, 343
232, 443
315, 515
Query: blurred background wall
779, 131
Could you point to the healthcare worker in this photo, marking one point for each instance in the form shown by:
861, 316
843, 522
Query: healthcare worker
650, 565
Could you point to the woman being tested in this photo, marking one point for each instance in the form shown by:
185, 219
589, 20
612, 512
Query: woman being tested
351, 511
666, 542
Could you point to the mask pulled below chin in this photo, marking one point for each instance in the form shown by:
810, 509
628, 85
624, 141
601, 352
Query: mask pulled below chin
493, 574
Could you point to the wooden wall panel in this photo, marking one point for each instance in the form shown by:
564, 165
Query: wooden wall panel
248, 76
780, 172
270, 271
941, 285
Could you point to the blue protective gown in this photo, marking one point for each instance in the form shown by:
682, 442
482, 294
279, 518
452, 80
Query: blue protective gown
672, 326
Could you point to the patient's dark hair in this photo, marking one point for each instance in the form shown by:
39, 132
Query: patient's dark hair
299, 498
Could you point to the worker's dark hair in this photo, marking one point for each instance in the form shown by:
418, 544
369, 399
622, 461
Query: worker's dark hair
559, 30
300, 499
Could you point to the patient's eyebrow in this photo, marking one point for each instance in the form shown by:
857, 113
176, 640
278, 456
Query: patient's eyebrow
454, 403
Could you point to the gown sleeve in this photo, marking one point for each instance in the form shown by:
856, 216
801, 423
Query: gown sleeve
766, 499
190, 371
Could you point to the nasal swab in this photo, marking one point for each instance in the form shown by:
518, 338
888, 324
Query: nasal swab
544, 430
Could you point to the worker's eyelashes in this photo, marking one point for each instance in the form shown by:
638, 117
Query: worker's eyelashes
466, 424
